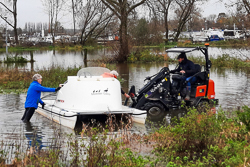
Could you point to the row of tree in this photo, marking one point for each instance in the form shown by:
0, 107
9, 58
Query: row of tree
130, 18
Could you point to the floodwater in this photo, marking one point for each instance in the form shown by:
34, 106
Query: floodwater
46, 59
231, 87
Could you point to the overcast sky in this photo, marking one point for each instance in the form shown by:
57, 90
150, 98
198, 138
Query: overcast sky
213, 7
32, 11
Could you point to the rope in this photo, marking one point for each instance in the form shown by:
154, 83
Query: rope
51, 94
60, 114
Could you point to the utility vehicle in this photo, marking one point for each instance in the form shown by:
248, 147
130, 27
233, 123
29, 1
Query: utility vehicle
164, 91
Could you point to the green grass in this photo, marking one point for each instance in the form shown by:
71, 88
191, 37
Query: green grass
204, 139
57, 47
223, 61
16, 81
15, 59
19, 81
230, 43
146, 56
186, 43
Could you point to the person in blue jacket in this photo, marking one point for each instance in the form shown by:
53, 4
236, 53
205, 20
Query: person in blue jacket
33, 97
187, 68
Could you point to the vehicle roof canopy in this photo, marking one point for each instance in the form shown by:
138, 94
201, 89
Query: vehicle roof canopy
190, 49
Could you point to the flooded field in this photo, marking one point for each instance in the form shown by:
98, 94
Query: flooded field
45, 59
231, 89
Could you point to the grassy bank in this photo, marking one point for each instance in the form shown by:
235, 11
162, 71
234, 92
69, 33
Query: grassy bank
57, 47
183, 43
206, 139
188, 43
224, 61
146, 56
18, 81
227, 43
197, 139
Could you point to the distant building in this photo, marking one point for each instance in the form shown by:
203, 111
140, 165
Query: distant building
221, 15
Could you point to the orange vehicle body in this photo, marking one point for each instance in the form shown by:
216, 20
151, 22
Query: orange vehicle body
201, 90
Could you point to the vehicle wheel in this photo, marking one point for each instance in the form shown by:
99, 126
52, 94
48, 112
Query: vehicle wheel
154, 110
203, 106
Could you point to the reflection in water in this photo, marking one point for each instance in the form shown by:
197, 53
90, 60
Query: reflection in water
176, 113
39, 133
123, 70
20, 65
48, 58
231, 88
34, 136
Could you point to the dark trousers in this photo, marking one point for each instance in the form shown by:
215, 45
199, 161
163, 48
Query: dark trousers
28, 114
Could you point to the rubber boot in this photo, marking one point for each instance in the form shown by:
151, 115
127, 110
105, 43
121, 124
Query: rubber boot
188, 93
28, 114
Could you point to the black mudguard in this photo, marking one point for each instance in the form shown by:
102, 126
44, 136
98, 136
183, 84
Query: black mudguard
161, 101
198, 100
210, 101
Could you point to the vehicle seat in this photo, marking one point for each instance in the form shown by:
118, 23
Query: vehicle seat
201, 80
200, 75
197, 68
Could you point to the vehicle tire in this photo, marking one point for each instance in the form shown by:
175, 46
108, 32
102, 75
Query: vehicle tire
155, 110
203, 106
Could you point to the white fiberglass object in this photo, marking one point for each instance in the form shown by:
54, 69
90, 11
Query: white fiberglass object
92, 92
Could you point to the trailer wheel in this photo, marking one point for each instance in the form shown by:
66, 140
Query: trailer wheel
155, 110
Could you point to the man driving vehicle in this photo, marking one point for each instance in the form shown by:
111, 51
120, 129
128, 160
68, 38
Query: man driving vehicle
187, 68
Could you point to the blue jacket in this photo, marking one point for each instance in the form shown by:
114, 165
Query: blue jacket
34, 93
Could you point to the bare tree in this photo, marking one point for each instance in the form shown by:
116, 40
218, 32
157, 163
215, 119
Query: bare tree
184, 9
73, 14
210, 20
5, 10
53, 9
39, 27
195, 22
241, 15
74, 8
246, 5
93, 17
161, 7
122, 9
